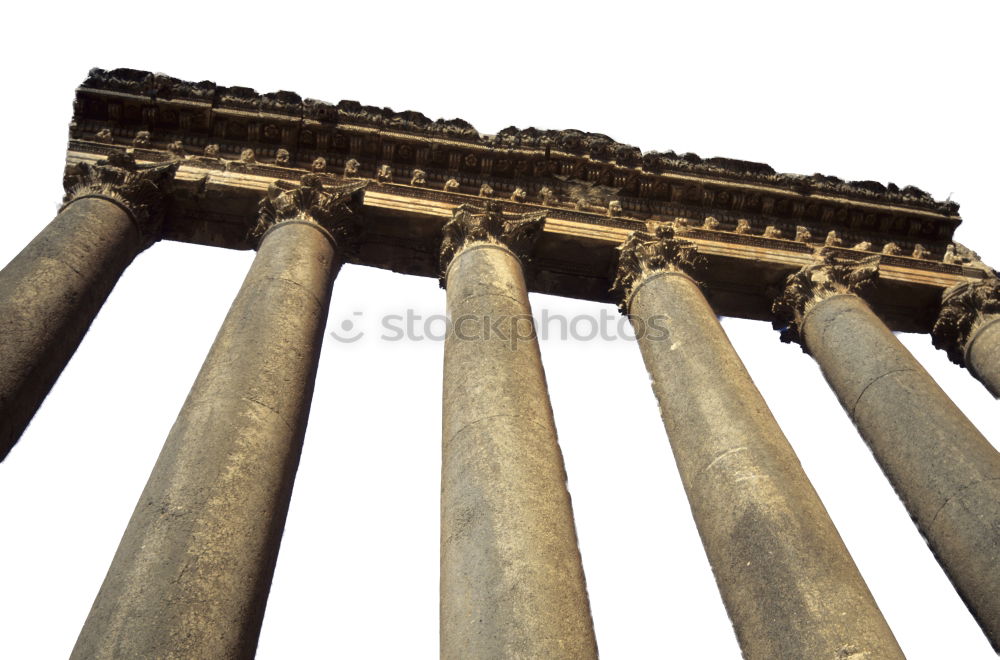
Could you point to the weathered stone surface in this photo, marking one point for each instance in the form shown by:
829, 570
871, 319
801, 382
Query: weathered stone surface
983, 355
643, 254
945, 471
192, 573
787, 580
512, 584
813, 284
140, 190
968, 329
598, 148
489, 225
51, 291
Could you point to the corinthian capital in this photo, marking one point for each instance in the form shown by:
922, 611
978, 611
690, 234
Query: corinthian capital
489, 224
139, 190
334, 208
642, 254
813, 284
965, 308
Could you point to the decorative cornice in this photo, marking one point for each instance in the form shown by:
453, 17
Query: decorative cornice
179, 104
139, 190
964, 309
812, 284
747, 222
488, 224
643, 253
333, 208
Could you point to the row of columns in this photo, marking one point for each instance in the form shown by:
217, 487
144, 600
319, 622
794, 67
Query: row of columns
775, 553
191, 575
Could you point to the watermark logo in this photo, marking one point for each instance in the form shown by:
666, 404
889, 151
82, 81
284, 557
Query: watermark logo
512, 329
349, 330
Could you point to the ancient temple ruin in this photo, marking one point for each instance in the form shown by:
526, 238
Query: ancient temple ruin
835, 265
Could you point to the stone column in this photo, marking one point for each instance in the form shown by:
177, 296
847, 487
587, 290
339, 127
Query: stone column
968, 327
192, 573
945, 471
512, 584
788, 582
51, 291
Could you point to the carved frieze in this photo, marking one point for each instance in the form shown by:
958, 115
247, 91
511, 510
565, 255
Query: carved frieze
644, 253
587, 181
489, 224
140, 190
335, 208
959, 255
572, 143
832, 276
965, 308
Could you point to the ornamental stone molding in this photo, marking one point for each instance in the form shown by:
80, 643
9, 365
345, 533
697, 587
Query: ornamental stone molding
965, 308
832, 276
643, 254
182, 104
750, 223
490, 225
140, 190
332, 208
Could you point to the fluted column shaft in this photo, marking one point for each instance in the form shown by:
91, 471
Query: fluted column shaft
191, 576
51, 292
788, 582
945, 471
512, 584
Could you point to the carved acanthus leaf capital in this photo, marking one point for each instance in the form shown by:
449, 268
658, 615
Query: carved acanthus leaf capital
965, 308
812, 284
489, 224
139, 189
334, 208
644, 253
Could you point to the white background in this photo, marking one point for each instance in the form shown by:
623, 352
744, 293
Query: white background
901, 92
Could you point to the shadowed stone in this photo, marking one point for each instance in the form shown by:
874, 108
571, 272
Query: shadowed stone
51, 291
968, 328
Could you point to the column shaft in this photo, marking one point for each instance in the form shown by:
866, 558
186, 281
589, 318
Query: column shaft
49, 295
945, 471
192, 573
512, 584
787, 580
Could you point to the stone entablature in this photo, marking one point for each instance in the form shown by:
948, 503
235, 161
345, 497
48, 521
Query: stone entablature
753, 226
559, 168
